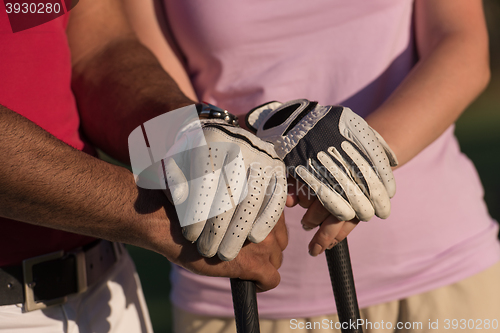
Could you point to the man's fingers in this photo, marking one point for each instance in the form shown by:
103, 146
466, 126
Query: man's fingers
268, 282
177, 187
260, 262
245, 215
276, 259
213, 233
276, 242
281, 233
271, 278
271, 209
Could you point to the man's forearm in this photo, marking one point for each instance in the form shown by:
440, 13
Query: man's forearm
49, 183
120, 88
46, 182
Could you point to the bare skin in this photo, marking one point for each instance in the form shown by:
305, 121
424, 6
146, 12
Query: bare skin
118, 84
453, 69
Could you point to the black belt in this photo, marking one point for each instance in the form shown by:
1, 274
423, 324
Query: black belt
48, 279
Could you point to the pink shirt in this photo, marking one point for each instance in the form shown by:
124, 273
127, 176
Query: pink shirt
243, 53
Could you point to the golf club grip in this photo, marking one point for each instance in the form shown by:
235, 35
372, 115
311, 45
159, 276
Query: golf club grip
245, 306
339, 265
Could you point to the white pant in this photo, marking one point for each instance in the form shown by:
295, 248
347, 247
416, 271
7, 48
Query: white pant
114, 304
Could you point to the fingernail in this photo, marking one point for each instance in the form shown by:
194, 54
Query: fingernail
316, 250
332, 245
306, 228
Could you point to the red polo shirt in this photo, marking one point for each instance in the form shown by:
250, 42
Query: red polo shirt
35, 76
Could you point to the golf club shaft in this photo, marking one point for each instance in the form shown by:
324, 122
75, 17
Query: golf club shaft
245, 306
339, 266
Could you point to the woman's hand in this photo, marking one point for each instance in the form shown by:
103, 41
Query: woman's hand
331, 231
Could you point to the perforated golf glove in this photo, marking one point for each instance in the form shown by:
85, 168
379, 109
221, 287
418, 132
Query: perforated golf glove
332, 150
227, 185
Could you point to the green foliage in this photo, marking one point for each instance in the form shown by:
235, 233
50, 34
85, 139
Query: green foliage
478, 131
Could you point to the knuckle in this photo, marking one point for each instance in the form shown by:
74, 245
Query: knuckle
284, 243
342, 235
325, 235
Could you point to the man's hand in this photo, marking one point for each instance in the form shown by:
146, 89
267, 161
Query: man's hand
255, 262
69, 190
227, 184
119, 85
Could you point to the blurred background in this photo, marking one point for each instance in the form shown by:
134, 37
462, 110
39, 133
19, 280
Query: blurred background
478, 131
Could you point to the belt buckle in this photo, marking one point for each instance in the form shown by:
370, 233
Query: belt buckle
29, 295
81, 270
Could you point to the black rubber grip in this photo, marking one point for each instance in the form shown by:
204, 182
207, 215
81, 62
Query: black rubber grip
339, 265
245, 306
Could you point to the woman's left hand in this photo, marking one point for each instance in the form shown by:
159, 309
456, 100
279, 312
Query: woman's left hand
331, 231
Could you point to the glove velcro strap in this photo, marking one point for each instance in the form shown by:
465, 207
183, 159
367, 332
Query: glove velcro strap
235, 133
258, 115
313, 142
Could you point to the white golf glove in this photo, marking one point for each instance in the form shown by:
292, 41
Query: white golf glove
227, 185
334, 151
